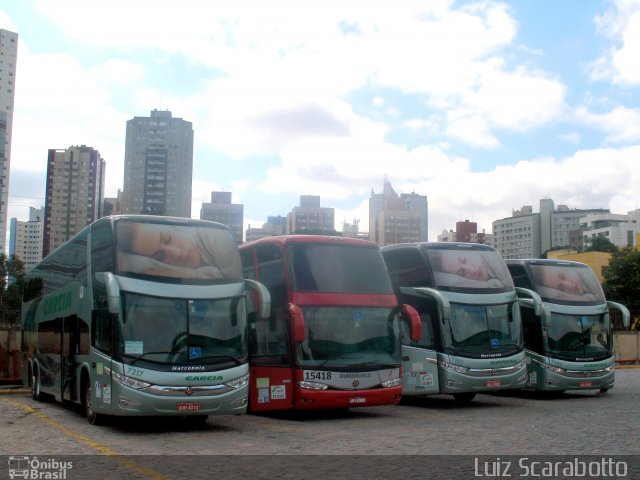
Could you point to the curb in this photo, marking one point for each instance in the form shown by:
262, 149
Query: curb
14, 391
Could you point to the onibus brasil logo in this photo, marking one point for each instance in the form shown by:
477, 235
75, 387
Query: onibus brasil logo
34, 468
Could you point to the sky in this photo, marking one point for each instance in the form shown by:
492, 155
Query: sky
482, 106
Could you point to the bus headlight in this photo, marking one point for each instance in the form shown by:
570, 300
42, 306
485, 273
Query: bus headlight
129, 382
454, 368
238, 382
313, 385
394, 382
550, 368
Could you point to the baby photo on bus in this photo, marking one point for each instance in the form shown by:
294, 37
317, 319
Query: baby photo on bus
173, 251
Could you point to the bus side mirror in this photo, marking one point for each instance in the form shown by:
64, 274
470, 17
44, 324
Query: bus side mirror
626, 316
413, 317
109, 282
297, 323
261, 298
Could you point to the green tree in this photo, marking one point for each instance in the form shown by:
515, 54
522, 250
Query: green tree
602, 244
622, 280
12, 281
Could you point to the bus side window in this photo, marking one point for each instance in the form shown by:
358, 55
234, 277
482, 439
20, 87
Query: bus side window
271, 274
101, 336
248, 267
532, 331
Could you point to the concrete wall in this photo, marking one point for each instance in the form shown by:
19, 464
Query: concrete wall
626, 346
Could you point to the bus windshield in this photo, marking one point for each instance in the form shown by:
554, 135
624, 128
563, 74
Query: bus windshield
348, 337
335, 268
176, 253
482, 329
179, 331
468, 270
578, 336
567, 284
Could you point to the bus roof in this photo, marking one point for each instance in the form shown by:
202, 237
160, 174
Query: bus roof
285, 239
546, 261
442, 246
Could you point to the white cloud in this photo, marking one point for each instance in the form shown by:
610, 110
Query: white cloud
272, 62
622, 25
620, 124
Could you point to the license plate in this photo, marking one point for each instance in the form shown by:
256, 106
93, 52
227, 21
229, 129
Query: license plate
493, 383
188, 407
586, 384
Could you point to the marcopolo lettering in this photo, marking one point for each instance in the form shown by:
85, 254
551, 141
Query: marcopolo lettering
355, 375
201, 378
58, 303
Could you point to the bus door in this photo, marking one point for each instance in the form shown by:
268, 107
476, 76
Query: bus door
419, 357
70, 348
270, 371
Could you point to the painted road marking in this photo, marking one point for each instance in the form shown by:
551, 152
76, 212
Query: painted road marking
103, 449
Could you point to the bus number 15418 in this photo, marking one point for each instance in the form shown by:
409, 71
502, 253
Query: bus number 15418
313, 375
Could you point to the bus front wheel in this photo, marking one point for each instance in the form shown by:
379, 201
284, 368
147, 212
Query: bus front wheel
465, 397
93, 417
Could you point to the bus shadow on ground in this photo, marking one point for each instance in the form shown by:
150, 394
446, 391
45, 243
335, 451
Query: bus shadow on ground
325, 414
153, 424
545, 395
445, 402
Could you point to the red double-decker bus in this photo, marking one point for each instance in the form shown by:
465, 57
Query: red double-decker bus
333, 339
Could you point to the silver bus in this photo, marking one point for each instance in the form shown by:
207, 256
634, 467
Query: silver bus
141, 315
566, 325
471, 330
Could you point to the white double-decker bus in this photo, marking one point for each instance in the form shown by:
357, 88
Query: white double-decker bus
141, 315
566, 325
471, 331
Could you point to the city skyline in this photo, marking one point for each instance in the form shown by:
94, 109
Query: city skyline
481, 107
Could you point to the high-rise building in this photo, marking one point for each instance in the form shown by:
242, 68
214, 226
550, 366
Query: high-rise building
311, 218
466, 231
25, 240
158, 165
221, 210
275, 225
397, 218
8, 61
528, 235
74, 194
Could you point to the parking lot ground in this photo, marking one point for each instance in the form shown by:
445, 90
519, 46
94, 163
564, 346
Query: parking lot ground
427, 434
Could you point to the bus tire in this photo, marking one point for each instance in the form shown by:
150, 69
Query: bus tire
92, 417
465, 397
602, 391
36, 386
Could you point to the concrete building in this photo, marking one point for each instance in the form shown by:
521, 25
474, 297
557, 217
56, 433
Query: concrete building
158, 165
397, 218
621, 230
74, 194
113, 205
25, 240
311, 218
528, 235
8, 62
466, 231
352, 230
275, 225
221, 210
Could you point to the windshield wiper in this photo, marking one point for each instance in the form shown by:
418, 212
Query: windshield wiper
230, 357
148, 353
